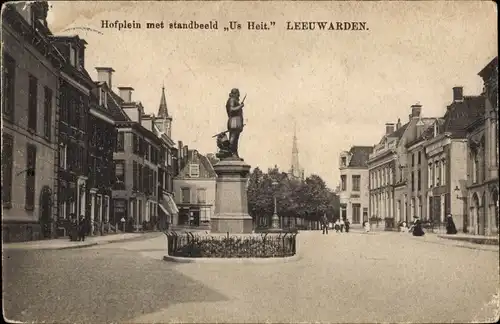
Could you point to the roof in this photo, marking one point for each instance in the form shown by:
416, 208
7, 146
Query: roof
114, 106
460, 114
399, 132
359, 156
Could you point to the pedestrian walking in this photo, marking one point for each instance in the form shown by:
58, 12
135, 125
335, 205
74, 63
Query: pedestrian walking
347, 225
82, 230
73, 227
337, 225
324, 224
451, 229
417, 227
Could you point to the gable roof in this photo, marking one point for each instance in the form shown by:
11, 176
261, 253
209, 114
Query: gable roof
359, 156
460, 114
206, 168
114, 106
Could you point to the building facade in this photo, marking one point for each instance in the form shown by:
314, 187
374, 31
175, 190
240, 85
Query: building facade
482, 159
136, 158
194, 189
30, 87
102, 144
162, 123
73, 128
354, 190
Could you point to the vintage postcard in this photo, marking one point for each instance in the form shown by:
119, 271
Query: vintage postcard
250, 161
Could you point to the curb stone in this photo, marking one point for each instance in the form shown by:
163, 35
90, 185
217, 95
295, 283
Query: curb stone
271, 260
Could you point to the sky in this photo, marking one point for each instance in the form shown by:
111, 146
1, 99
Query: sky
338, 87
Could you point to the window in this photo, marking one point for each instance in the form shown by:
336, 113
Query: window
120, 172
62, 210
120, 142
419, 180
7, 164
30, 177
438, 173
431, 174
147, 149
8, 86
47, 113
32, 103
343, 162
413, 159
186, 195
419, 158
63, 155
103, 98
201, 195
356, 213
413, 181
443, 172
106, 209
343, 183
135, 175
194, 170
356, 182
72, 55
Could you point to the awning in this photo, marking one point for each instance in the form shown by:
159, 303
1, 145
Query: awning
172, 205
164, 209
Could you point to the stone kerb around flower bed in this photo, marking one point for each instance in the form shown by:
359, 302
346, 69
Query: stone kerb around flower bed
235, 248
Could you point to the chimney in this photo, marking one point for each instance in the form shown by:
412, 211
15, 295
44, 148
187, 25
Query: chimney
398, 125
126, 93
458, 94
179, 152
104, 74
416, 110
389, 128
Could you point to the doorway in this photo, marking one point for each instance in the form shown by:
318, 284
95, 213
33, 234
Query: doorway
45, 218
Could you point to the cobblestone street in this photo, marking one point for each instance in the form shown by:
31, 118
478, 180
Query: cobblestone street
339, 278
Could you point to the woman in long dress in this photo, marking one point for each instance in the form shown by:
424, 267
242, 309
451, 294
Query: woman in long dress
417, 227
451, 229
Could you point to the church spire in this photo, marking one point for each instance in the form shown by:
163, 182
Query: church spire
162, 110
295, 172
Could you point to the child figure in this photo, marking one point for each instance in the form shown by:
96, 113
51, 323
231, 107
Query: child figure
367, 227
404, 227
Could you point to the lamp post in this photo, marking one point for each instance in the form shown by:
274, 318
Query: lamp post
275, 220
466, 216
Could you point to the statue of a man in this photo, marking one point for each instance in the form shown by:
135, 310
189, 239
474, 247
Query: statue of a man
235, 120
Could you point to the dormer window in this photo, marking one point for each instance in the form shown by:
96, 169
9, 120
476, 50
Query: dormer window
194, 170
103, 98
343, 162
73, 56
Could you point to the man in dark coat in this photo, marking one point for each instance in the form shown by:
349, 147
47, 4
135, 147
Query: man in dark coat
83, 228
347, 224
450, 225
324, 224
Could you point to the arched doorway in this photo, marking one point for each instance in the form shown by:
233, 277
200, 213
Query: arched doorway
481, 219
494, 210
475, 213
45, 216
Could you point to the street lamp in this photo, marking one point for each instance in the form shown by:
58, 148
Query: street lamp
275, 220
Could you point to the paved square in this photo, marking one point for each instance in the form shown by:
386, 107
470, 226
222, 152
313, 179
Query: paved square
354, 277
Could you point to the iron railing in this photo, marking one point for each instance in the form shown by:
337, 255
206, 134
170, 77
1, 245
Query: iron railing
207, 246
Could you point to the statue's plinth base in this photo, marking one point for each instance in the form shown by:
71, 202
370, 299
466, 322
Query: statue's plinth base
231, 206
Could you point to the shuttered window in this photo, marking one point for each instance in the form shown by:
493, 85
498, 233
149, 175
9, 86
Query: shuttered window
7, 163
32, 103
30, 177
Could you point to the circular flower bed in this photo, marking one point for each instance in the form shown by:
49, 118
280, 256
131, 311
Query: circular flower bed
264, 246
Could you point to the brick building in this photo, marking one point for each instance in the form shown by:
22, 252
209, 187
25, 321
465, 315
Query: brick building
30, 87
354, 191
102, 144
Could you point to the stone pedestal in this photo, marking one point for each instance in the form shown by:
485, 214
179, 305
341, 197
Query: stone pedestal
231, 205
